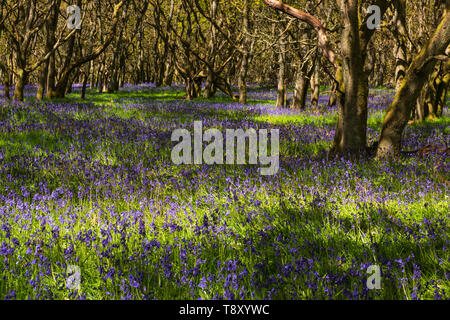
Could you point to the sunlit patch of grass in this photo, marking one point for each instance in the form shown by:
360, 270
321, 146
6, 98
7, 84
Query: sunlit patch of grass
304, 119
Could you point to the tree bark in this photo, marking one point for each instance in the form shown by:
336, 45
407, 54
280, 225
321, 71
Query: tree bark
21, 80
300, 92
400, 35
281, 87
85, 81
315, 85
242, 81
209, 84
49, 43
350, 134
332, 100
51, 74
42, 81
6, 79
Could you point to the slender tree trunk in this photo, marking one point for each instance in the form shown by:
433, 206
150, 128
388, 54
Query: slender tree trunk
42, 81
50, 29
169, 72
210, 79
300, 92
113, 83
332, 100
141, 71
302, 77
400, 35
51, 75
7, 95
379, 78
85, 81
117, 62
6, 82
71, 81
91, 74
98, 77
281, 91
191, 90
242, 81
315, 85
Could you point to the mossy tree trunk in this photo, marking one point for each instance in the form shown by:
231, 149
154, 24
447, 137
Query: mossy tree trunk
21, 80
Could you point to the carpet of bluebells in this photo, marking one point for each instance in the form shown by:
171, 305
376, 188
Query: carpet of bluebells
91, 183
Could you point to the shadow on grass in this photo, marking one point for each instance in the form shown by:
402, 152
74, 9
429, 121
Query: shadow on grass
326, 254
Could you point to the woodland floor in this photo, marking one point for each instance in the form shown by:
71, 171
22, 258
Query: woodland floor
91, 183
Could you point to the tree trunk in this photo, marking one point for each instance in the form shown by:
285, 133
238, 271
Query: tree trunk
7, 95
400, 35
71, 81
50, 29
51, 74
315, 85
85, 81
242, 81
350, 136
6, 82
169, 71
21, 80
379, 79
42, 81
281, 89
209, 84
302, 77
300, 92
332, 100
113, 83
